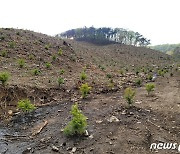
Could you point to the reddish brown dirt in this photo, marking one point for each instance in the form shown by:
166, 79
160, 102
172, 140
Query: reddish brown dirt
153, 118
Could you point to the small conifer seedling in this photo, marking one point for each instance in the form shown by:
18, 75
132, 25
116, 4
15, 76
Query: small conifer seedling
78, 124
129, 94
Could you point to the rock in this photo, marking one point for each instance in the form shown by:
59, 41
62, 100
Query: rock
91, 136
99, 121
124, 112
73, 149
54, 148
138, 102
113, 119
10, 112
63, 144
86, 133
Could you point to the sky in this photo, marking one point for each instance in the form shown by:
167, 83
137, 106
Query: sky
157, 20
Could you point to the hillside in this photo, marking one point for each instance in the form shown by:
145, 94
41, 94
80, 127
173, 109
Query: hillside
113, 126
165, 47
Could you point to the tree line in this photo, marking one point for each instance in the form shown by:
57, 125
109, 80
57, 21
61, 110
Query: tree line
106, 35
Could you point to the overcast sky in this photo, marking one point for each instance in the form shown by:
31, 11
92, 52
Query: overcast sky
157, 20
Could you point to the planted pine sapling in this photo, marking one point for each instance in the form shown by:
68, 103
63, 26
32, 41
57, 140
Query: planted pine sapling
25, 105
150, 87
129, 94
85, 89
78, 124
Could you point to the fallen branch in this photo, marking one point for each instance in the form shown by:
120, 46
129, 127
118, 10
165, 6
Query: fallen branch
40, 129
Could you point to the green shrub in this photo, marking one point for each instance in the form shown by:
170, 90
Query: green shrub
48, 65
60, 52
21, 63
3, 53
129, 94
4, 76
60, 81
78, 124
36, 72
83, 76
85, 89
25, 105
138, 82
150, 87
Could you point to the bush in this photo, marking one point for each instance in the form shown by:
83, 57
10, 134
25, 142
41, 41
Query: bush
4, 76
36, 72
60, 81
78, 124
3, 53
48, 65
150, 87
83, 76
84, 89
25, 105
129, 95
21, 63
